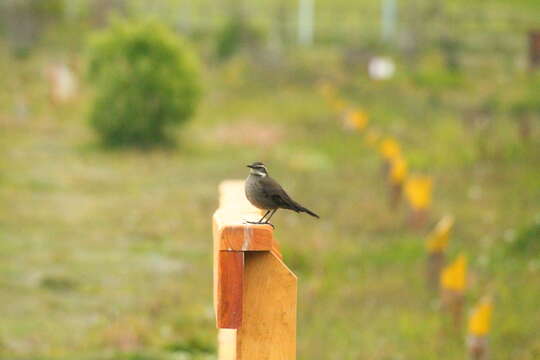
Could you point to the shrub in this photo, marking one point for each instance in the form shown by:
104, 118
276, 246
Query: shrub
146, 80
527, 242
236, 34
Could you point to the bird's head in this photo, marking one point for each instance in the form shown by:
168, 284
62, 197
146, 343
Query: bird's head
258, 169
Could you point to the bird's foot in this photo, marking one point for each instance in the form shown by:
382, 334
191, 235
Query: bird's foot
259, 223
253, 222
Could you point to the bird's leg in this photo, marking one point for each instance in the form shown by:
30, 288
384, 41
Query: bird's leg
260, 221
272, 214
265, 214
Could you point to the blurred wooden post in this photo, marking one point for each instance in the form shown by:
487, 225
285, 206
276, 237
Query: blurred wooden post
434, 265
254, 291
477, 347
453, 302
453, 282
396, 177
479, 326
418, 191
534, 48
62, 83
436, 244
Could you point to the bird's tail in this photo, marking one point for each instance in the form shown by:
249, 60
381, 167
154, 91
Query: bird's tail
306, 210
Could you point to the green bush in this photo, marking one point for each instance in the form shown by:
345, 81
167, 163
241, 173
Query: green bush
146, 80
236, 34
527, 242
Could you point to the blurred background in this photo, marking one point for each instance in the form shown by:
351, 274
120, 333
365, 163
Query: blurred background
119, 118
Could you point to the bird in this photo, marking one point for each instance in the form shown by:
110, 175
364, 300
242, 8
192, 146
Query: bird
265, 193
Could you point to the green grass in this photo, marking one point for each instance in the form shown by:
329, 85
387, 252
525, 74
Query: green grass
107, 254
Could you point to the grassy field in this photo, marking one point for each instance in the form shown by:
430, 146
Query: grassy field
107, 254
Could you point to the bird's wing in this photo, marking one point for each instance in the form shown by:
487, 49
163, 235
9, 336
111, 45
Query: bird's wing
275, 192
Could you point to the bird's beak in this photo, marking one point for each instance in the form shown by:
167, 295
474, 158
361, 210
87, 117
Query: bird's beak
249, 166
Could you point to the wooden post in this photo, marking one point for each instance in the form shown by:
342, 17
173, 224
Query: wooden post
254, 291
453, 303
434, 265
479, 326
477, 347
534, 49
453, 282
436, 244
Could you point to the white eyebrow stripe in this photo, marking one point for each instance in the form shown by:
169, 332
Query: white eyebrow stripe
260, 173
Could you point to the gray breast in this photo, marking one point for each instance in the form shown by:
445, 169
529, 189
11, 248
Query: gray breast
256, 195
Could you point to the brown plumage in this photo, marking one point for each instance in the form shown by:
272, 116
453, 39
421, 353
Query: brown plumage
265, 193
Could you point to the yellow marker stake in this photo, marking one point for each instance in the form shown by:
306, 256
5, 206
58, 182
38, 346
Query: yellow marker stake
454, 275
356, 119
480, 319
437, 240
418, 191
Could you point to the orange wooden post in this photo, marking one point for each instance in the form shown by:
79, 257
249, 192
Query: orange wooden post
254, 291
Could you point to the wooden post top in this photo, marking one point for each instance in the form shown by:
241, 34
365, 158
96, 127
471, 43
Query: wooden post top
254, 291
233, 238
231, 232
